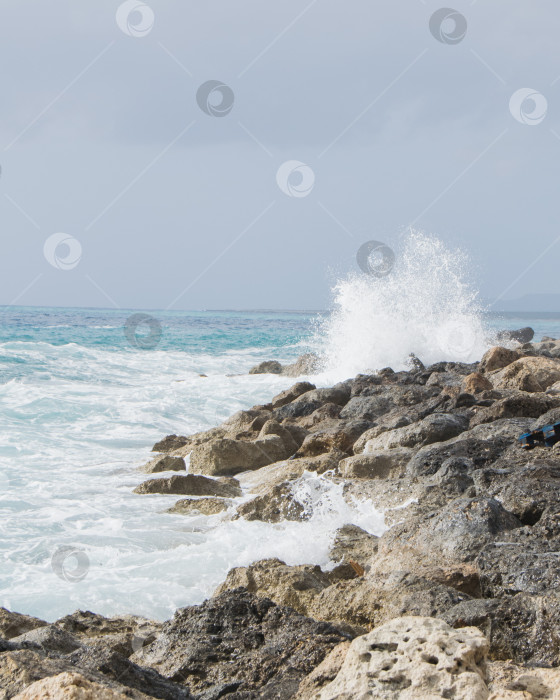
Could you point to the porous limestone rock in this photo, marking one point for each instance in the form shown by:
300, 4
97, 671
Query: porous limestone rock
206, 506
497, 358
475, 383
68, 686
376, 464
189, 485
166, 463
434, 428
412, 658
225, 456
532, 374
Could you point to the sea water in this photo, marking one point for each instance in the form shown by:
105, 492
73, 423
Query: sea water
80, 409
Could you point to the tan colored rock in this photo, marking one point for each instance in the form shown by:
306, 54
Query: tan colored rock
206, 506
554, 389
67, 686
508, 680
273, 427
295, 586
376, 464
274, 505
528, 374
352, 543
165, 463
13, 624
225, 456
411, 658
289, 395
189, 485
475, 382
496, 358
436, 427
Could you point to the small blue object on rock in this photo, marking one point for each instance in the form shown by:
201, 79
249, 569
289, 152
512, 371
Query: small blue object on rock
548, 435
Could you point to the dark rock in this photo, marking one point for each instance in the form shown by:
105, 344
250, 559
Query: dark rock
50, 638
519, 404
13, 624
206, 506
267, 367
289, 395
522, 335
367, 407
164, 464
341, 436
250, 644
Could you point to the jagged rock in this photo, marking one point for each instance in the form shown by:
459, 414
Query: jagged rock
367, 407
413, 657
274, 505
239, 643
390, 421
13, 624
554, 390
50, 638
377, 464
206, 506
512, 682
224, 456
267, 367
164, 464
434, 428
497, 358
475, 383
170, 443
309, 363
520, 627
532, 374
189, 485
68, 686
272, 427
324, 414
324, 673
480, 445
341, 436
352, 543
289, 395
310, 401
518, 404
454, 534
295, 586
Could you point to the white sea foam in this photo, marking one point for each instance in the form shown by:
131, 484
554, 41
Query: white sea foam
426, 305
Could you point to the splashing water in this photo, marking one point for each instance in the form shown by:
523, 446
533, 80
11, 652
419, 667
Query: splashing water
424, 306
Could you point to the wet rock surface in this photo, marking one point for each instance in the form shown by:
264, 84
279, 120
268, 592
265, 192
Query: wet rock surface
457, 597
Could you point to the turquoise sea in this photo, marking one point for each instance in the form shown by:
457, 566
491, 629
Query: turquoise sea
80, 407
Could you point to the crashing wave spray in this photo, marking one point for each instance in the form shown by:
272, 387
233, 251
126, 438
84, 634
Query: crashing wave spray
423, 306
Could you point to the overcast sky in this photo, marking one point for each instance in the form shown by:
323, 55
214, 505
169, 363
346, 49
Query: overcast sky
164, 205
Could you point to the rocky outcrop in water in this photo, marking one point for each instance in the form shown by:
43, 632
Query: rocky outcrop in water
458, 598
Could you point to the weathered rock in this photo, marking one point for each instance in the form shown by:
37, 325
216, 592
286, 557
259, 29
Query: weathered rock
454, 534
377, 464
324, 673
478, 446
352, 543
341, 436
413, 657
170, 443
528, 374
206, 506
497, 358
509, 681
13, 624
295, 586
50, 638
309, 363
518, 404
272, 427
68, 686
475, 383
326, 413
189, 485
434, 428
392, 420
276, 504
225, 456
554, 390
239, 643
289, 395
522, 335
367, 407
267, 367
164, 464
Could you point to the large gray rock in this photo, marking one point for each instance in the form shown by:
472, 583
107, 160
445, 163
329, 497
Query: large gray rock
289, 395
224, 456
189, 485
410, 658
340, 435
367, 407
434, 428
518, 404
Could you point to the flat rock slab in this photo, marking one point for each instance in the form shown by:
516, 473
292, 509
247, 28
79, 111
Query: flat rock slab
206, 506
189, 485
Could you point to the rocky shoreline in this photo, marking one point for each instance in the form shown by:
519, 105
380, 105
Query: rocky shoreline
458, 598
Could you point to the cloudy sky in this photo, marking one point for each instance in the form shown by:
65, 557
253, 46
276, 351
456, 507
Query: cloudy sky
161, 200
